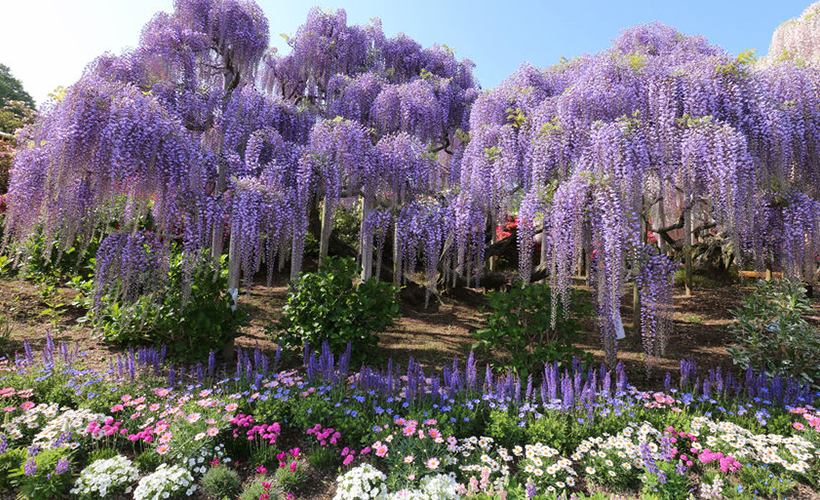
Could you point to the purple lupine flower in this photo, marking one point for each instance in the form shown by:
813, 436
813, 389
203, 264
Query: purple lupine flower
62, 466
30, 468
531, 490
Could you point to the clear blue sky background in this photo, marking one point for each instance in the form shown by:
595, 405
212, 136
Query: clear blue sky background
48, 42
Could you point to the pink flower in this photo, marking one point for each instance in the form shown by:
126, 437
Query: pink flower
27, 405
162, 449
261, 469
381, 451
347, 460
213, 431
433, 463
408, 459
293, 467
798, 426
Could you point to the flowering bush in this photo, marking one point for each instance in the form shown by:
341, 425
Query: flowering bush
44, 472
168, 481
364, 482
106, 478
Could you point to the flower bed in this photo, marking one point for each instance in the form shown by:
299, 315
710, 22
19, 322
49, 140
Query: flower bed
152, 429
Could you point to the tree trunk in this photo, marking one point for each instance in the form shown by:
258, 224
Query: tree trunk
327, 226
367, 239
687, 248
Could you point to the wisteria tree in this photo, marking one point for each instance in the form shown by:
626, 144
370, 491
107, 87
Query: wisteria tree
798, 38
222, 140
658, 128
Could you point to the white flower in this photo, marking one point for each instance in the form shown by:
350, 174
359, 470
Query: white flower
104, 476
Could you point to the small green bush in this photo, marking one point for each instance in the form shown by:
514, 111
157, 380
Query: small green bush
190, 326
221, 482
771, 332
148, 461
102, 454
323, 458
519, 325
329, 306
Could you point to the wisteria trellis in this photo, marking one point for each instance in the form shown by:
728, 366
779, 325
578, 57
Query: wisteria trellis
219, 137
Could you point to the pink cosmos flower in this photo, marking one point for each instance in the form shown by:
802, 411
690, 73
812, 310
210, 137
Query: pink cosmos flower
433, 463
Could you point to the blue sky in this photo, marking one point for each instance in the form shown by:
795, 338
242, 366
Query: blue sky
48, 42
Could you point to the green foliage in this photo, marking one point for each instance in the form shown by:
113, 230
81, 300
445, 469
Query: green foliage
698, 281
148, 461
264, 455
504, 428
45, 483
519, 324
329, 306
673, 485
255, 490
347, 223
11, 460
291, 480
11, 89
45, 263
102, 454
221, 482
760, 480
5, 332
190, 326
323, 458
771, 332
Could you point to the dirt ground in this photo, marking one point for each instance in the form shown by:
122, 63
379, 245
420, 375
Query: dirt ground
432, 336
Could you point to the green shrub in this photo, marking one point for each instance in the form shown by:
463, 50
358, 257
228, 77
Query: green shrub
9, 461
49, 475
771, 332
519, 325
148, 461
346, 224
323, 458
102, 454
190, 326
329, 306
221, 482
